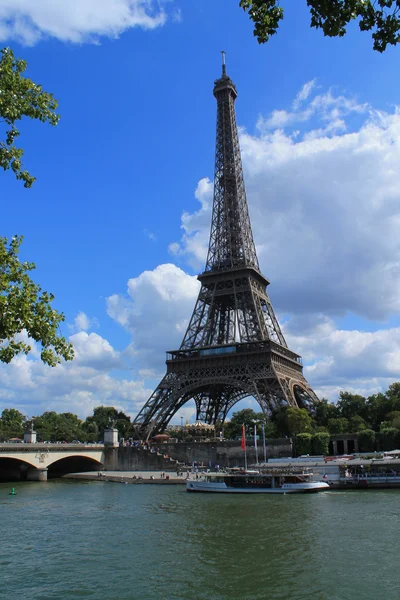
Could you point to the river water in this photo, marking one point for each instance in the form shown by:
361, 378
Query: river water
71, 540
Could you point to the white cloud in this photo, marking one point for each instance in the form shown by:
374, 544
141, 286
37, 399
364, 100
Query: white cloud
327, 107
156, 311
77, 21
94, 351
83, 323
303, 94
361, 361
149, 234
76, 386
196, 226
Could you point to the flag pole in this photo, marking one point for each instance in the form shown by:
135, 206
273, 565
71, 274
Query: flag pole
255, 443
264, 446
244, 447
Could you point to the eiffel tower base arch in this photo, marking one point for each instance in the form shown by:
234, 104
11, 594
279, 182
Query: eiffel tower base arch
217, 384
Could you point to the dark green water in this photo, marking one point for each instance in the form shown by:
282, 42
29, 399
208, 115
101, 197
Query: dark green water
68, 541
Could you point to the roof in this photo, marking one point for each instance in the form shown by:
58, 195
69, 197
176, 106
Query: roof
200, 425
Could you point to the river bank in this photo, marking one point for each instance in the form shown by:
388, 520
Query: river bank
131, 477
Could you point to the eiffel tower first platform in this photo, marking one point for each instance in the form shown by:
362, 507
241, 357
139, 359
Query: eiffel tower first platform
233, 347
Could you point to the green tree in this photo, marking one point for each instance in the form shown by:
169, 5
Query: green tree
92, 433
107, 416
324, 411
337, 426
55, 427
24, 306
123, 426
356, 424
394, 418
366, 440
298, 421
320, 443
351, 405
378, 406
302, 443
247, 417
393, 396
382, 17
12, 423
20, 97
388, 439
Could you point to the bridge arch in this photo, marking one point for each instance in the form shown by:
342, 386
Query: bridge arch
14, 468
53, 457
73, 464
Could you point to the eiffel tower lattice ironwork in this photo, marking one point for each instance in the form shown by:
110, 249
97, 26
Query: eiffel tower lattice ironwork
233, 347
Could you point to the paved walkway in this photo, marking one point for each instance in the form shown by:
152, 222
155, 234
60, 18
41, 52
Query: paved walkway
128, 476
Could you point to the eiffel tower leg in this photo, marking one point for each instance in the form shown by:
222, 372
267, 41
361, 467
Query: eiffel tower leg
144, 423
304, 396
169, 396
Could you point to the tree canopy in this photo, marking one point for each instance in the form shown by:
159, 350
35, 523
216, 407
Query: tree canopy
20, 97
377, 429
25, 307
382, 17
65, 427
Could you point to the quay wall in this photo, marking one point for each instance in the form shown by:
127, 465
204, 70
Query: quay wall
225, 454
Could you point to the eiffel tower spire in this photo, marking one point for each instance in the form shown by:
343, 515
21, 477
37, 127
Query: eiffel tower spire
233, 346
231, 239
242, 311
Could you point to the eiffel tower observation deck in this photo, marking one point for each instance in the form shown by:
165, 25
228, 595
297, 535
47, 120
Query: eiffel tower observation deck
233, 347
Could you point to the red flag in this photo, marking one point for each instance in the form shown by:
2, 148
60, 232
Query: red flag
243, 439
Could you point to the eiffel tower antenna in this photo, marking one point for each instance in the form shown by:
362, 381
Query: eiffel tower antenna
233, 346
223, 63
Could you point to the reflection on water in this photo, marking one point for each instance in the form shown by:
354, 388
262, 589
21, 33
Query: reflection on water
70, 540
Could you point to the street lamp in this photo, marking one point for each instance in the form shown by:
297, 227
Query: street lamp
181, 429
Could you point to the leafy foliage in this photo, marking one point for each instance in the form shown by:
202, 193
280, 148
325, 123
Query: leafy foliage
379, 429
388, 439
108, 416
382, 17
65, 427
337, 426
248, 418
303, 443
54, 427
20, 97
11, 424
298, 421
24, 306
366, 440
320, 443
380, 413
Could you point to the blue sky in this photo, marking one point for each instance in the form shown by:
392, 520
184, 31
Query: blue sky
124, 186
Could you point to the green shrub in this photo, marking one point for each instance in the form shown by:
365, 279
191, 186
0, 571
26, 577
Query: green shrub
303, 443
389, 439
366, 440
320, 443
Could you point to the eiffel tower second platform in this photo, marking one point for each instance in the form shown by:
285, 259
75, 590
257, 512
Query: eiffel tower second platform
233, 347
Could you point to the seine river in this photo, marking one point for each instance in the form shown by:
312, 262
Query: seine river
72, 540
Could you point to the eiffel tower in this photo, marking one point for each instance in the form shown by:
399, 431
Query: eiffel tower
233, 347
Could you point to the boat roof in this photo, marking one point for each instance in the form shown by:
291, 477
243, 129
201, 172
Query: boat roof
260, 473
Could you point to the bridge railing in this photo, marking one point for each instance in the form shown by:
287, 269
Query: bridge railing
21, 446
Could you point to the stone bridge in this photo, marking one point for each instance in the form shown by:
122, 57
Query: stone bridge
36, 462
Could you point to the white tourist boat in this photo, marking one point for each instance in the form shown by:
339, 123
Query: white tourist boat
257, 482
